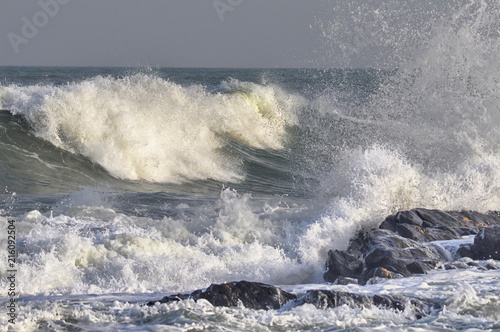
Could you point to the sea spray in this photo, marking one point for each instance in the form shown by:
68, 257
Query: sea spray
426, 136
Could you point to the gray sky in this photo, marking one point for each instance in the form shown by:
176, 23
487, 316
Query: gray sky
171, 33
216, 33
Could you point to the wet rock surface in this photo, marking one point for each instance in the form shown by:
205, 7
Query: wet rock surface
486, 245
343, 264
250, 294
323, 299
254, 295
425, 225
402, 246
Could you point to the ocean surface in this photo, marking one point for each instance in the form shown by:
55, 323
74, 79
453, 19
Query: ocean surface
128, 184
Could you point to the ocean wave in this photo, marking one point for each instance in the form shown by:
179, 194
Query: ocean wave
142, 127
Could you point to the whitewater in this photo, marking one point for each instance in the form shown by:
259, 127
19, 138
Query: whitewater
129, 184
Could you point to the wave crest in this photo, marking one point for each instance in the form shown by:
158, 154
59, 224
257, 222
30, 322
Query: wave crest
142, 127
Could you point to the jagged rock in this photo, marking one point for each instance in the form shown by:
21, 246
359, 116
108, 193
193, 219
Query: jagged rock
404, 217
487, 244
323, 299
252, 295
426, 225
400, 247
398, 256
457, 265
345, 281
381, 253
436, 218
413, 232
423, 225
343, 264
472, 222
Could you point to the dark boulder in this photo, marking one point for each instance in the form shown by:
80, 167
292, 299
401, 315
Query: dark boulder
381, 253
400, 247
404, 217
424, 225
398, 256
343, 264
486, 245
252, 295
436, 218
323, 299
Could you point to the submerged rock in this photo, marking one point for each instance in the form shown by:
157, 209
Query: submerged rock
323, 299
254, 295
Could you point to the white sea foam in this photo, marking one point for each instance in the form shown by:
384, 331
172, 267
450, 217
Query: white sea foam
84, 246
469, 300
378, 182
141, 127
92, 249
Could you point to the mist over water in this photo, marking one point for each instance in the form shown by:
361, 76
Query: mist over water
445, 68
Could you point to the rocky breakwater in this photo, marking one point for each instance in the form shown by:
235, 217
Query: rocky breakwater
405, 244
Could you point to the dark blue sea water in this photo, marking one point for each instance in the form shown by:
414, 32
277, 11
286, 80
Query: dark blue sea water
127, 184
